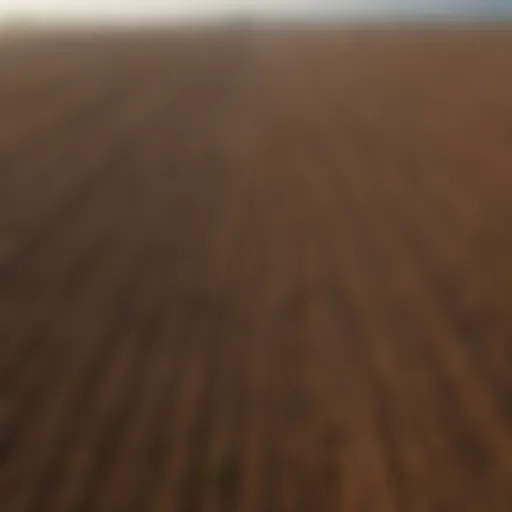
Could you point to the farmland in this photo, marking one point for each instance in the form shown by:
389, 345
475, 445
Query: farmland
258, 270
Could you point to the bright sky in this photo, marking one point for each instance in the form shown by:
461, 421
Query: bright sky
42, 10
135, 8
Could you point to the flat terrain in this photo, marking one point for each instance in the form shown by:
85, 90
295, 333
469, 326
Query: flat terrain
256, 271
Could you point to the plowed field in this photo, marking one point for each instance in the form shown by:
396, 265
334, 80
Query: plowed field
256, 271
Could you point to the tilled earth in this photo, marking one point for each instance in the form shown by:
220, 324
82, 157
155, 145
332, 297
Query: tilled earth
256, 271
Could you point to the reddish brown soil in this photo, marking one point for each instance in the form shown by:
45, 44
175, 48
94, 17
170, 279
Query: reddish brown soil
256, 272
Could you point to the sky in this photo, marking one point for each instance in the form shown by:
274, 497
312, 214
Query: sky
133, 10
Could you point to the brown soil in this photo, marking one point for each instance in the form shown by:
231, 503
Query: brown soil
256, 272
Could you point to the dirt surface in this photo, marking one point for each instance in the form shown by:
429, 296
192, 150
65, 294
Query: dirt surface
265, 271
